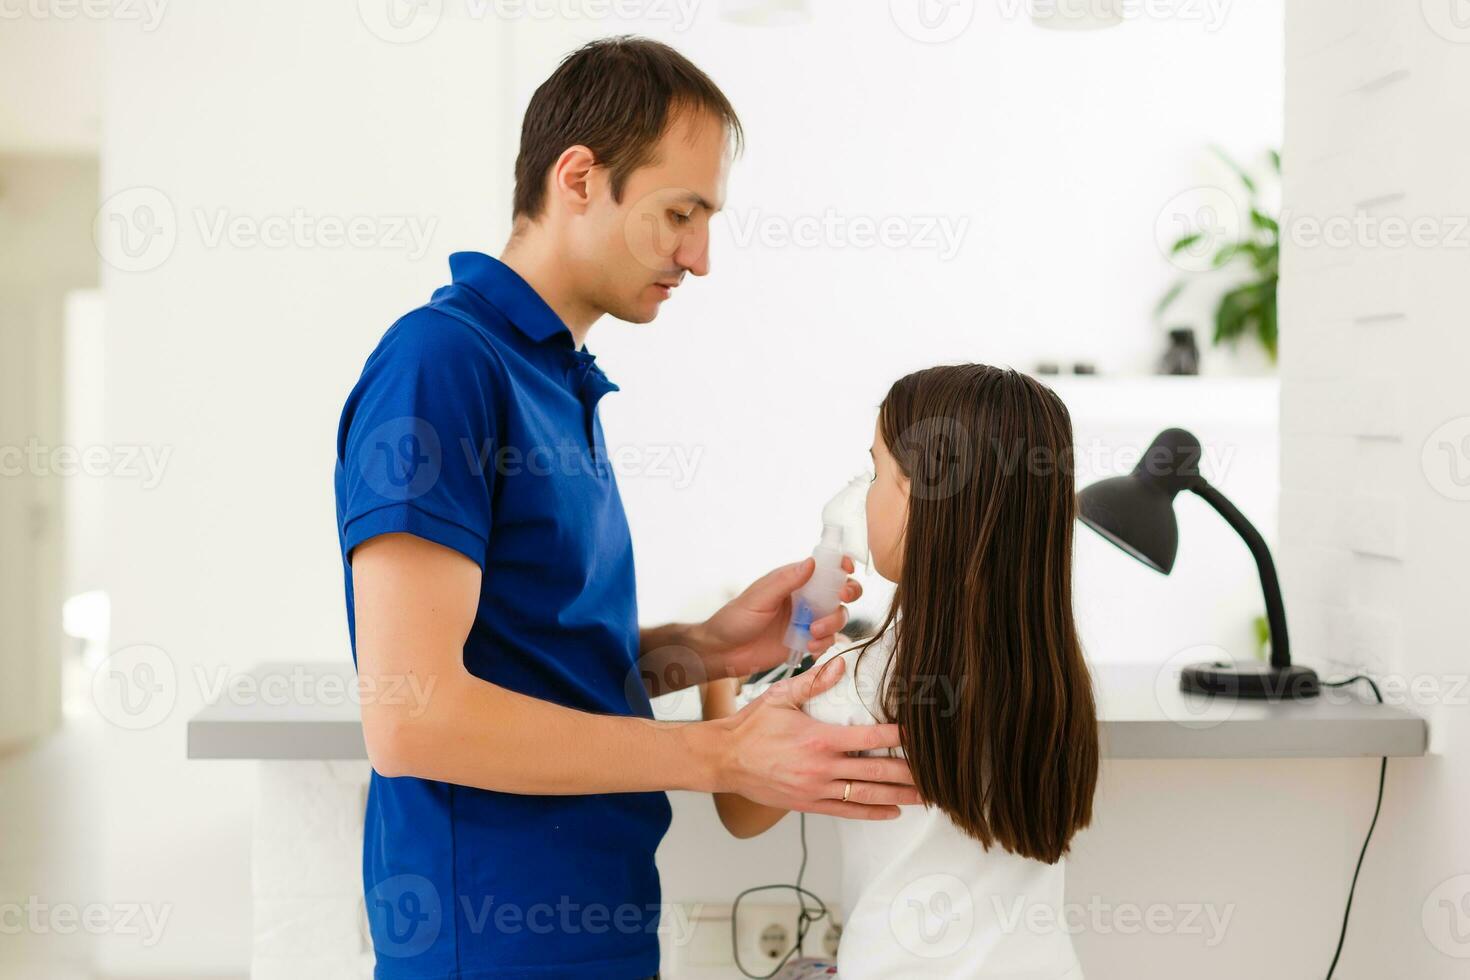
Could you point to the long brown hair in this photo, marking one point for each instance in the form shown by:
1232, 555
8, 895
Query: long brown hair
987, 682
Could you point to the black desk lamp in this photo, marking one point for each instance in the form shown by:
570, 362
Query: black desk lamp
1136, 513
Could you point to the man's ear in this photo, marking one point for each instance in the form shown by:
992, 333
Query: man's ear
572, 178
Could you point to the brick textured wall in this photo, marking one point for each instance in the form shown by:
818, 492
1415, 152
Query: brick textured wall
1375, 443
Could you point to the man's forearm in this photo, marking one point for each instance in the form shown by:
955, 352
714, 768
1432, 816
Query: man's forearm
672, 657
473, 733
415, 603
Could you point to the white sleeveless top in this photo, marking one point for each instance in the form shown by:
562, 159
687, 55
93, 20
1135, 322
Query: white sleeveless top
920, 899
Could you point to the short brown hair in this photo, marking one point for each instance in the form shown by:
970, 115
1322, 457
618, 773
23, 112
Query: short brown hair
614, 96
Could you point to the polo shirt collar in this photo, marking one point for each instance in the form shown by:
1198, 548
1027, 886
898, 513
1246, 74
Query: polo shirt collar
504, 289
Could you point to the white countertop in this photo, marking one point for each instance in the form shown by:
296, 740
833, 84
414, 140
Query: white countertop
310, 711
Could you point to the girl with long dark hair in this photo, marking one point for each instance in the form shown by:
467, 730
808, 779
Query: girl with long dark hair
971, 514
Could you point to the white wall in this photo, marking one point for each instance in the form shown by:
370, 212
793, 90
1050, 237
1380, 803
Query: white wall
234, 356
1375, 418
1057, 154
51, 74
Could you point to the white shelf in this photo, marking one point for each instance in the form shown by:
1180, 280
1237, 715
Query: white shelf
1142, 715
1099, 400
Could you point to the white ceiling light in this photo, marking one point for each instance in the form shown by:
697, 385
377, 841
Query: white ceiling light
766, 12
1077, 15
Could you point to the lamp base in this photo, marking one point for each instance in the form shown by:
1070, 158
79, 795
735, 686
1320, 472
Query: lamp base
1260, 682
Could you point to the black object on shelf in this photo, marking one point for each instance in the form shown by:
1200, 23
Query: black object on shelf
1136, 513
1182, 355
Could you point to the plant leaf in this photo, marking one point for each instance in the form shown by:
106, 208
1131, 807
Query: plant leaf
1230, 316
1269, 326
1245, 178
1188, 241
1167, 300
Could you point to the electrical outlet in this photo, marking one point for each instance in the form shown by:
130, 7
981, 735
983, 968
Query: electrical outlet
764, 934
696, 939
775, 941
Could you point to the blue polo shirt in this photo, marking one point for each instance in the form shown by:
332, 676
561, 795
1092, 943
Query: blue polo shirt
474, 425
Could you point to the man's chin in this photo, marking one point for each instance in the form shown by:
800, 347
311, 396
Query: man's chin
637, 314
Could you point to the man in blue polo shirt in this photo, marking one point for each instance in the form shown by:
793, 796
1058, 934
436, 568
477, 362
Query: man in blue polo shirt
517, 792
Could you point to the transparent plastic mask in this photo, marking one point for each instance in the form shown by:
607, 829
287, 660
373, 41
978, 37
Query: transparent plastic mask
849, 511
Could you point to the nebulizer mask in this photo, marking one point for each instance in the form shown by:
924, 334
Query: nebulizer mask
844, 534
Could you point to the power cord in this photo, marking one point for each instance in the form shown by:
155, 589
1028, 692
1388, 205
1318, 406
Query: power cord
804, 920
1382, 776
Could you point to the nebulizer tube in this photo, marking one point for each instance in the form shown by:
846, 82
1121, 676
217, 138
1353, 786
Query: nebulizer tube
844, 534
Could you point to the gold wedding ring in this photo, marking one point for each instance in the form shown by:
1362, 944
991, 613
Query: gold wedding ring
846, 791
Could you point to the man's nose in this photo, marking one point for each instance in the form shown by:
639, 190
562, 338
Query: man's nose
693, 254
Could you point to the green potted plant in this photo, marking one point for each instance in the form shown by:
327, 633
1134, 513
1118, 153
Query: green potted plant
1248, 308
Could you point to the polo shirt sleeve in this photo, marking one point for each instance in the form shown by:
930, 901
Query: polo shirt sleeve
414, 433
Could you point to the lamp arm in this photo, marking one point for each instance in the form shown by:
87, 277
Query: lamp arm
1270, 585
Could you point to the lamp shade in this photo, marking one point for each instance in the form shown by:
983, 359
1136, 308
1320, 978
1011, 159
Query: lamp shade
1136, 512
1134, 516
